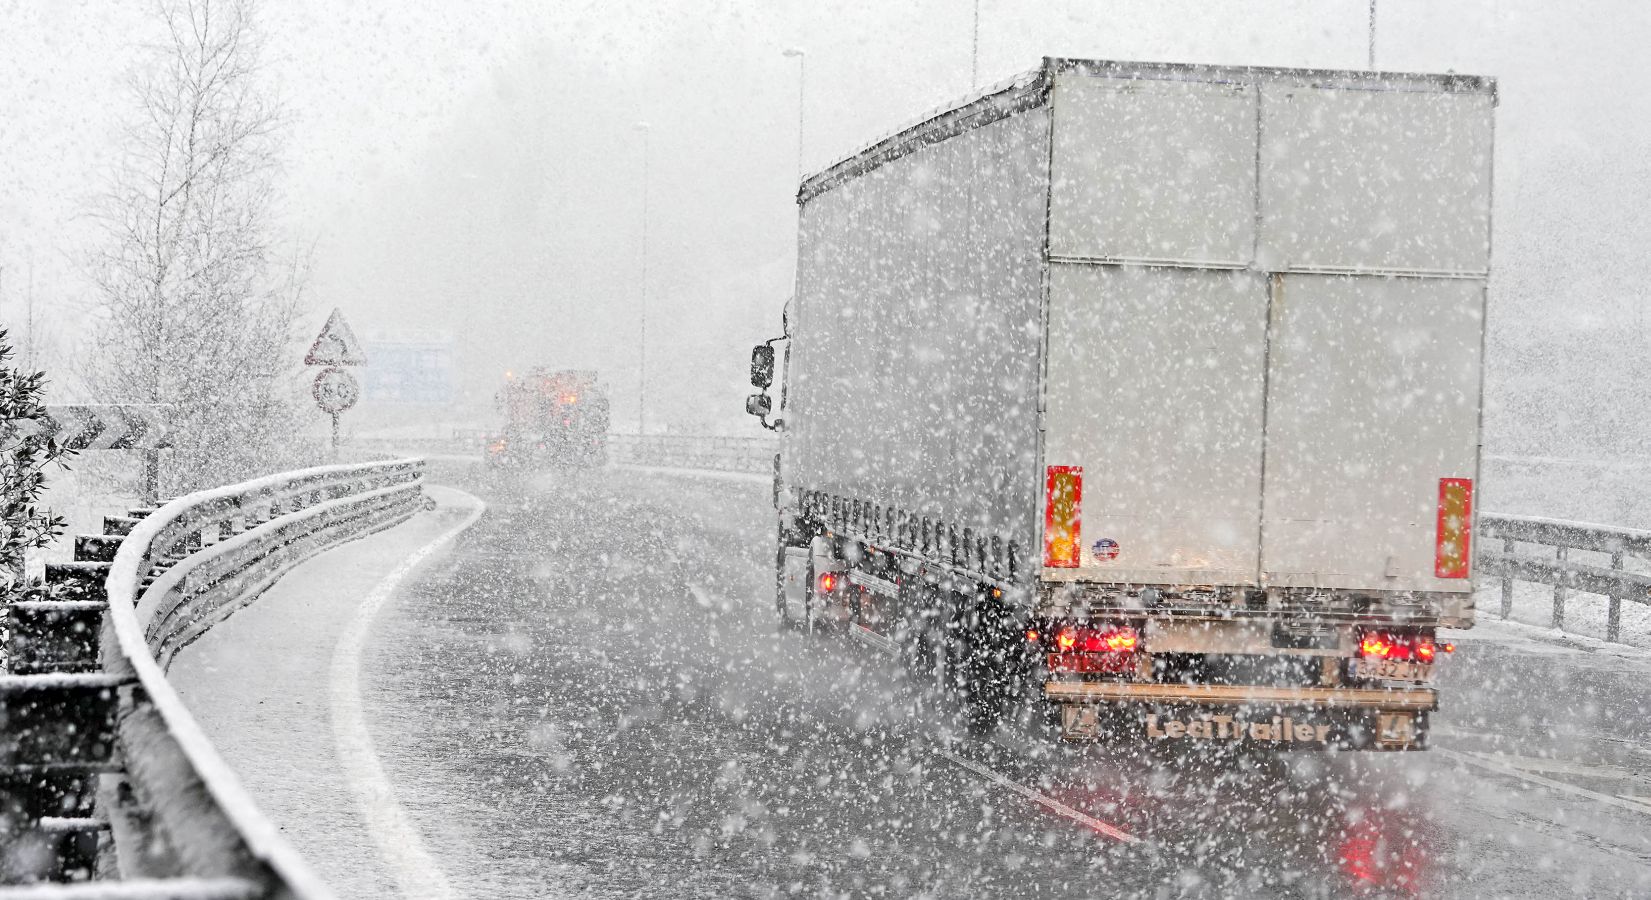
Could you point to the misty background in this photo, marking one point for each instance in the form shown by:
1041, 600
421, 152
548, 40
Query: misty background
471, 176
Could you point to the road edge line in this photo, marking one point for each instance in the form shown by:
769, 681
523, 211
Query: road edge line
400, 847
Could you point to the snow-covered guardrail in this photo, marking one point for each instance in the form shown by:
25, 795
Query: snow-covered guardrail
153, 812
1539, 551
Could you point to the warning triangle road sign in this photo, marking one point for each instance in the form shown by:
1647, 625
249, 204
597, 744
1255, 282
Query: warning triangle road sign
336, 345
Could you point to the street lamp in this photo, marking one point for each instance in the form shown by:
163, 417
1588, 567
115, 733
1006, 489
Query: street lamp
642, 342
802, 78
1370, 59
974, 51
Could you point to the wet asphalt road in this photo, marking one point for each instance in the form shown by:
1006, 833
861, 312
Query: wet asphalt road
596, 702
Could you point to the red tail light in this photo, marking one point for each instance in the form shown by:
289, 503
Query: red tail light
1395, 646
1110, 639
1108, 649
828, 582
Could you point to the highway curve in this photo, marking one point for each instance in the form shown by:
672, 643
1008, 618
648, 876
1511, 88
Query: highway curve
586, 695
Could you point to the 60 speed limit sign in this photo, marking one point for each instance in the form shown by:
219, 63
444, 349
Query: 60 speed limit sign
335, 390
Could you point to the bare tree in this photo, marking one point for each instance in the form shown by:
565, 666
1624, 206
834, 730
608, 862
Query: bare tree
196, 310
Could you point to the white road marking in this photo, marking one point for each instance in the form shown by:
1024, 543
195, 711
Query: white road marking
1492, 764
1040, 798
415, 870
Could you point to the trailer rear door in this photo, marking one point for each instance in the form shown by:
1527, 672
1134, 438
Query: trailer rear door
1157, 330
1372, 424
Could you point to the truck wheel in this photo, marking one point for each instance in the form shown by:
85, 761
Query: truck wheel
780, 607
947, 632
991, 668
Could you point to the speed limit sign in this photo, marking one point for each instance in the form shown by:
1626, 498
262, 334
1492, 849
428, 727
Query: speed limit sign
335, 390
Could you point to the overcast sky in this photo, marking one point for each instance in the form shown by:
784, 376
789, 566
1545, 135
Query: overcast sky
475, 169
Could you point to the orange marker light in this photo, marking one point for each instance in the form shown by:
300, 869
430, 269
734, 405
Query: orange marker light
1454, 536
1063, 517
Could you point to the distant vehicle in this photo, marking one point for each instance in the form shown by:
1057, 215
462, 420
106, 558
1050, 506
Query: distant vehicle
552, 419
1150, 395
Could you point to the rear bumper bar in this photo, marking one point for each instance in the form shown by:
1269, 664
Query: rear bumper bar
1419, 699
1274, 717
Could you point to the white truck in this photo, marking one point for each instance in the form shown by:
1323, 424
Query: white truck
1148, 394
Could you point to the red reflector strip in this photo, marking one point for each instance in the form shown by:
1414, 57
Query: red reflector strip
1062, 516
1453, 552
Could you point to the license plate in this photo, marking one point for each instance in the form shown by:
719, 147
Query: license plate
1391, 670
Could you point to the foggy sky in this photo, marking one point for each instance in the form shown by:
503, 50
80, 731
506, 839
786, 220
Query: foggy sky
476, 169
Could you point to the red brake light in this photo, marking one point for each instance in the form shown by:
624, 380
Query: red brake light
1108, 639
1376, 646
1396, 646
1106, 649
828, 582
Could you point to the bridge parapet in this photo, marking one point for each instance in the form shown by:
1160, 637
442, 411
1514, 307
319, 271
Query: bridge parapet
1539, 551
154, 807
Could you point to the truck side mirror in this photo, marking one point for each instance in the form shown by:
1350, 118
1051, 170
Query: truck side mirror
759, 405
762, 366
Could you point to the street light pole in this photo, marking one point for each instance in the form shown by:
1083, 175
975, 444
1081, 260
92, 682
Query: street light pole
642, 342
1370, 60
802, 80
974, 51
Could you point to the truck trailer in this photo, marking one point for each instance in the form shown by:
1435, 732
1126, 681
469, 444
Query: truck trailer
1148, 395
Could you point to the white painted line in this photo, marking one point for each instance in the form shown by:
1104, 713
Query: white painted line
1042, 799
1492, 764
415, 870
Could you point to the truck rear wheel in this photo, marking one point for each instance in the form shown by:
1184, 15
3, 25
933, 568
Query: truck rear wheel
781, 608
992, 665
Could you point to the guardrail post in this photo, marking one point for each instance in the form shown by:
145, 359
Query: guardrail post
1507, 582
1560, 554
1613, 611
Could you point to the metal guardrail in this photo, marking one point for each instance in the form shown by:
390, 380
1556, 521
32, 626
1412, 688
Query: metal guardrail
1510, 548
105, 773
686, 451
1554, 541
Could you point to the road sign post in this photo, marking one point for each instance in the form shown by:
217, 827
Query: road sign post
335, 390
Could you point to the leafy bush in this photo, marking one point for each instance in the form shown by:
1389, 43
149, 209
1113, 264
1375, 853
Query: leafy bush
29, 444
